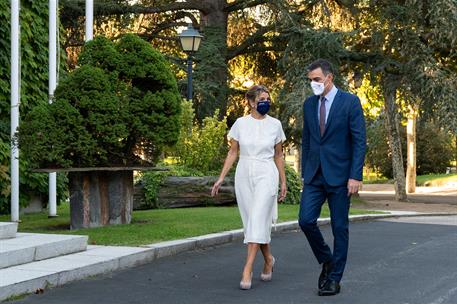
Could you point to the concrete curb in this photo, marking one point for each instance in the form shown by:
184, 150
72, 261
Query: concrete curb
28, 278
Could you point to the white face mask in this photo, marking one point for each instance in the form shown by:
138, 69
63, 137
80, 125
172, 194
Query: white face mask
317, 87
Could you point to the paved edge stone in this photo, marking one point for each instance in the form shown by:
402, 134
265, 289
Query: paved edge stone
213, 239
168, 248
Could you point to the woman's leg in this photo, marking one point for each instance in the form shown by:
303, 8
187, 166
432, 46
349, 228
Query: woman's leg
252, 251
268, 257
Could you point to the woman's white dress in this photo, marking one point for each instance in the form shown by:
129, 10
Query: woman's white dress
257, 177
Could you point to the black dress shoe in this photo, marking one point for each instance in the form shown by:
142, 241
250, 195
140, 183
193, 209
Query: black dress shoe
330, 288
326, 269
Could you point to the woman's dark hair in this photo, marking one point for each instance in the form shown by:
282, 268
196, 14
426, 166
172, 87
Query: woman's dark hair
254, 92
325, 65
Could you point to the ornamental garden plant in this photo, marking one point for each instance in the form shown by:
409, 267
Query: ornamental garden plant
120, 103
116, 111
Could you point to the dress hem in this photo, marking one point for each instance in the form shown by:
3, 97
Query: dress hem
256, 241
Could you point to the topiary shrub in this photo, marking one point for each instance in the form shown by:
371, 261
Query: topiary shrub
122, 102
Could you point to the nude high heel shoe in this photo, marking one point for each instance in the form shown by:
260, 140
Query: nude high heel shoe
266, 277
246, 285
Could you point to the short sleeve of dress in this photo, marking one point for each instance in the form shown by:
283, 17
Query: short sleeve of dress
234, 132
280, 137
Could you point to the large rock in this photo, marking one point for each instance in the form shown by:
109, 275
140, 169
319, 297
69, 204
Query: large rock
178, 192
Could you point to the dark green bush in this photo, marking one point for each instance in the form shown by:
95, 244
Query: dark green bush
31, 184
201, 148
122, 102
433, 148
294, 186
152, 181
54, 136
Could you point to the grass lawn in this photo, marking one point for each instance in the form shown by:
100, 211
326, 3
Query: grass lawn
152, 226
430, 180
435, 179
373, 178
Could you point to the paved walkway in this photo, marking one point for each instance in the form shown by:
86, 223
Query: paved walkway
391, 261
428, 195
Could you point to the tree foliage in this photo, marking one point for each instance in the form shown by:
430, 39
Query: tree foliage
122, 102
158, 22
434, 148
201, 147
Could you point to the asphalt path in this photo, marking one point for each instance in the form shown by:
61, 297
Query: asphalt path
425, 195
398, 261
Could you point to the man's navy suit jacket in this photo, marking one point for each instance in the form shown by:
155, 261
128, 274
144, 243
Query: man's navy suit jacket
340, 152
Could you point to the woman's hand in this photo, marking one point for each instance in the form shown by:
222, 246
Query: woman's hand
283, 192
216, 186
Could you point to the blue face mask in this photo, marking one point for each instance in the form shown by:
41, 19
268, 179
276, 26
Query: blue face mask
263, 106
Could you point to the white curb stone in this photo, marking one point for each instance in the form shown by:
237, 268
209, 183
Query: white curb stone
212, 239
168, 248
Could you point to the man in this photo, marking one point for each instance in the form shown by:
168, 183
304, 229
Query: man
333, 152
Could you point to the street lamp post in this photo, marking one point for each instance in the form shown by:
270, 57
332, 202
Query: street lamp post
190, 41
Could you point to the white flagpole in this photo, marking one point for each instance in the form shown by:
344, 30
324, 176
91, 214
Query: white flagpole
89, 20
15, 94
52, 87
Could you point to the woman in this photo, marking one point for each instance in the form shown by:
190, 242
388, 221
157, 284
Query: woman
258, 137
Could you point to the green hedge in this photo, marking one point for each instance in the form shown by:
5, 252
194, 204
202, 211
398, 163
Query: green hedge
294, 186
34, 91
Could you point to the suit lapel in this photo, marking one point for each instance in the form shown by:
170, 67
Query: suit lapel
333, 110
315, 106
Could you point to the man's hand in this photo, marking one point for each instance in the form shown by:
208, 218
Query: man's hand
353, 186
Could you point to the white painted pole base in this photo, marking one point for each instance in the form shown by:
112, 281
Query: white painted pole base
52, 195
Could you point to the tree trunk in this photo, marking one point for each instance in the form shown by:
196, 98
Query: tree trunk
392, 124
211, 73
184, 191
297, 159
99, 198
411, 148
